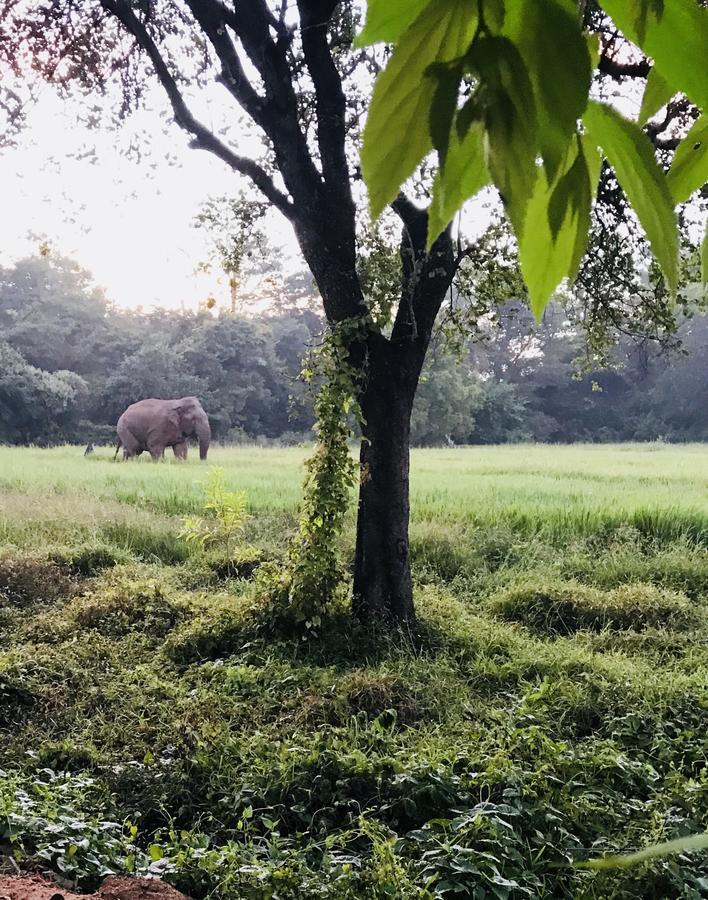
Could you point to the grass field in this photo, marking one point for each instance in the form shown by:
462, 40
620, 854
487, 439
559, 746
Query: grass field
550, 706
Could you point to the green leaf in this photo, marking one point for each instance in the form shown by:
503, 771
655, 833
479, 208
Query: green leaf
510, 119
444, 106
592, 41
396, 135
558, 223
675, 34
632, 157
689, 167
386, 20
657, 93
548, 35
463, 174
680, 845
494, 14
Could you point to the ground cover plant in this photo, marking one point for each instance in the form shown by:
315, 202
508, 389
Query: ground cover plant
549, 706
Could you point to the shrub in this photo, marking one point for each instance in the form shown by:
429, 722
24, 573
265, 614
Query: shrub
225, 516
564, 607
211, 636
87, 562
26, 581
242, 563
124, 607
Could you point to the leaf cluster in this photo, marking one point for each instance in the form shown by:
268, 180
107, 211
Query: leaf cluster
224, 519
502, 92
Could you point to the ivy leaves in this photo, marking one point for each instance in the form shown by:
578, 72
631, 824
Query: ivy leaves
501, 91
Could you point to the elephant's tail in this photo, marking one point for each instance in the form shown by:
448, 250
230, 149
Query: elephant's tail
119, 444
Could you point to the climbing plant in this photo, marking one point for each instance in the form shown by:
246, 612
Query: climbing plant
306, 588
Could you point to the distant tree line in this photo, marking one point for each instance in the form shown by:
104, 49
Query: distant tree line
70, 362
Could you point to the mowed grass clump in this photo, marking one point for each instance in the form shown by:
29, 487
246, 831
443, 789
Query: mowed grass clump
564, 607
548, 706
27, 580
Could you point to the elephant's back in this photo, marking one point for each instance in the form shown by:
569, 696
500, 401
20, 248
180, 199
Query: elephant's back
146, 405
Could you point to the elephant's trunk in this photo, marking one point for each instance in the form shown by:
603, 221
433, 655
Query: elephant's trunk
204, 437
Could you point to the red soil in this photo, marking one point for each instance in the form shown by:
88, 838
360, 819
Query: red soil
115, 887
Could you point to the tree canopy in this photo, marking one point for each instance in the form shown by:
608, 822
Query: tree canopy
495, 86
72, 362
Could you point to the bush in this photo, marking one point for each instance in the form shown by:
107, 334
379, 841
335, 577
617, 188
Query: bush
124, 607
87, 562
26, 581
242, 563
211, 636
564, 607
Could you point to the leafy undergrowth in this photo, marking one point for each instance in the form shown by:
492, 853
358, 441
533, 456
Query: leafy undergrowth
549, 707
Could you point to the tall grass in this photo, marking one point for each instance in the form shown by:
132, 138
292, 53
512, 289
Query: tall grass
557, 493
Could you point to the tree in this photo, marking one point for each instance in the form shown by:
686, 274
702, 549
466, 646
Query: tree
291, 73
36, 405
51, 294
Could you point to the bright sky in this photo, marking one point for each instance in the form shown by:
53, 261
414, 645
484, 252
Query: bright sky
129, 222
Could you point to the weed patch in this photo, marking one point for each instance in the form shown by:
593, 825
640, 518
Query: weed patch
88, 561
564, 607
213, 635
27, 581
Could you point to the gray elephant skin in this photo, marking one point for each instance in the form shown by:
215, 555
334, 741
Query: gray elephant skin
153, 425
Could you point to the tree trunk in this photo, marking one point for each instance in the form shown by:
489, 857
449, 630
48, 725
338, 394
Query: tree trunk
383, 589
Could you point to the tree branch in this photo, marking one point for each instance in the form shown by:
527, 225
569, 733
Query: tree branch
617, 70
330, 100
426, 276
251, 22
414, 219
210, 16
204, 139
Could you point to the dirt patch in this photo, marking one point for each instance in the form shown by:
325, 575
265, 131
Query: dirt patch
115, 887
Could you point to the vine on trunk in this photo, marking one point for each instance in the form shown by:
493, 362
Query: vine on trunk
306, 587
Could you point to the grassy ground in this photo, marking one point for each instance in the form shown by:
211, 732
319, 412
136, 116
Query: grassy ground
550, 706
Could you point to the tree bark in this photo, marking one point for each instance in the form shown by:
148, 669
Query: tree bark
383, 589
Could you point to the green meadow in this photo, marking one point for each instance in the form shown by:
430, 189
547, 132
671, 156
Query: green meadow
549, 707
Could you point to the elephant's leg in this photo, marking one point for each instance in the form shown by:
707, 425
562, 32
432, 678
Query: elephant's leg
180, 450
157, 451
130, 444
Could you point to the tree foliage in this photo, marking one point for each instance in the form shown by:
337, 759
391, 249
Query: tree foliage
513, 380
508, 83
62, 335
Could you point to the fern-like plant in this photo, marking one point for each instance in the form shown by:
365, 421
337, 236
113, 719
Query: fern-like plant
224, 516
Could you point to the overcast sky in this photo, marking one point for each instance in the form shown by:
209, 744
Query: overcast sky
128, 221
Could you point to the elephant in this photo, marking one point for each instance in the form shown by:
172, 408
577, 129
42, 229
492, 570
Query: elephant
153, 425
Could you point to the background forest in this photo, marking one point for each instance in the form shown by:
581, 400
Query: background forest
70, 362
